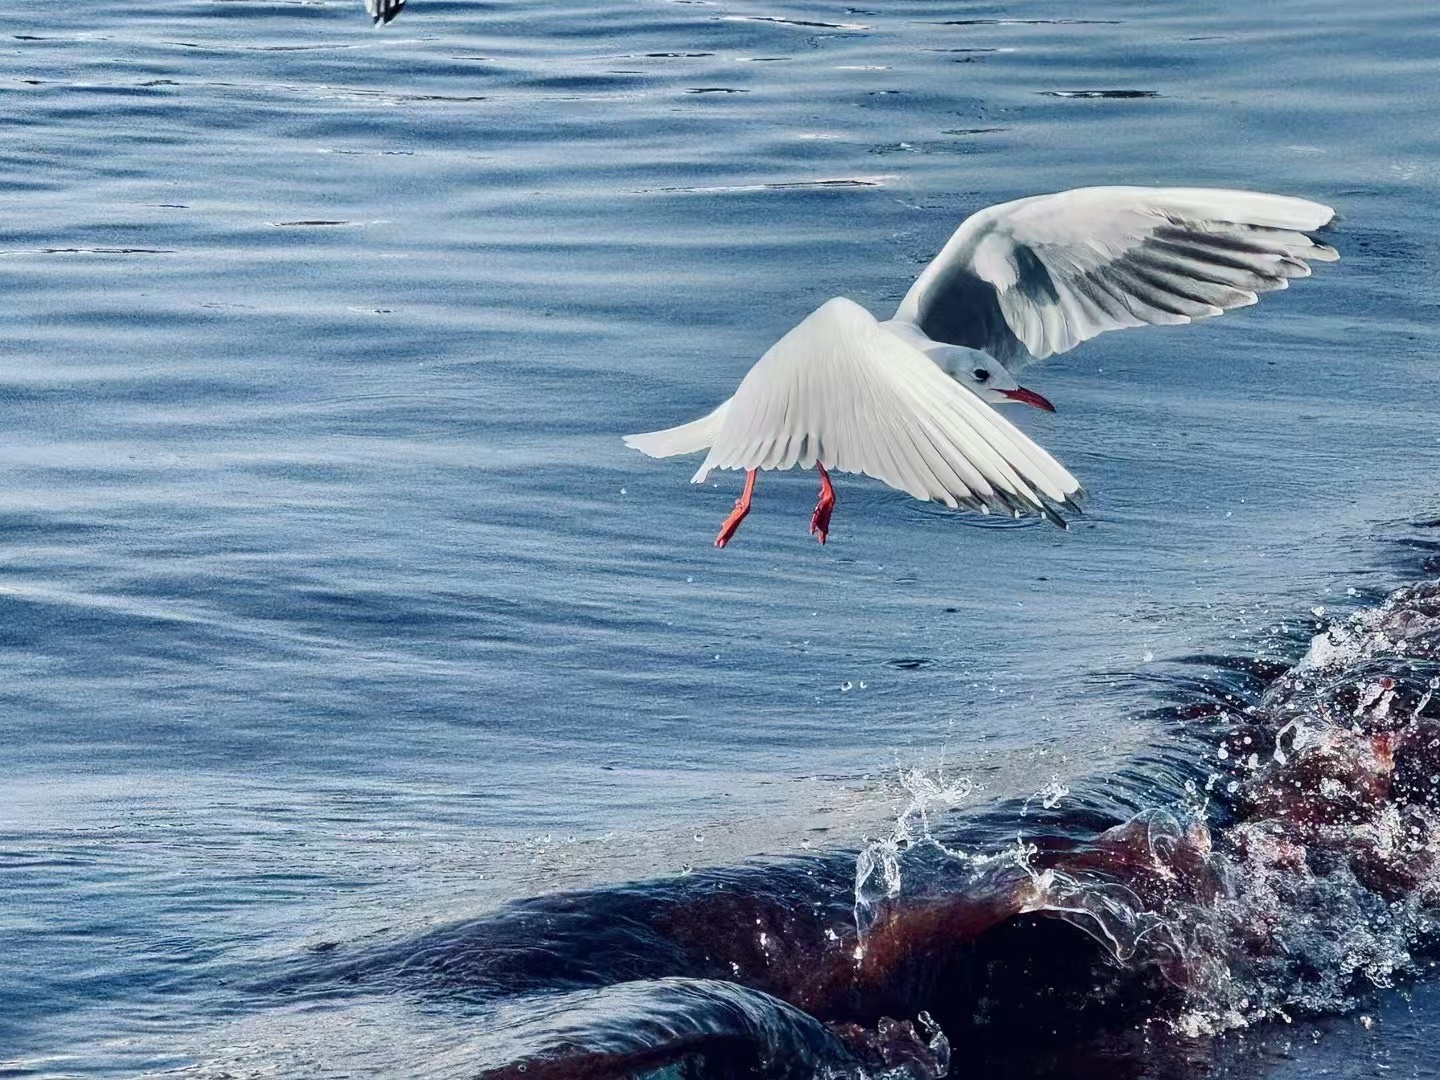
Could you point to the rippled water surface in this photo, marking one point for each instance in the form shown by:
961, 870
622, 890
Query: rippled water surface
331, 606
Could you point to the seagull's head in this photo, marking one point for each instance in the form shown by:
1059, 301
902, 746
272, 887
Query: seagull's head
985, 377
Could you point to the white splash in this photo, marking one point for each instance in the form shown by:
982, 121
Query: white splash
877, 868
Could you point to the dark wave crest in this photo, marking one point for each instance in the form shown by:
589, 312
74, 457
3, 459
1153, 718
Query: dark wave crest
1274, 858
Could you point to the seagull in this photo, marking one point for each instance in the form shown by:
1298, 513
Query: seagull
382, 11
908, 400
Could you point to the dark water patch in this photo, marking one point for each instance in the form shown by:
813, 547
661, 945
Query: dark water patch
315, 47
582, 83
90, 251
803, 23
852, 181
1100, 93
928, 148
780, 185
1030, 22
371, 153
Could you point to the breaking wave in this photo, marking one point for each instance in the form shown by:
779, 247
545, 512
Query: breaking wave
1273, 858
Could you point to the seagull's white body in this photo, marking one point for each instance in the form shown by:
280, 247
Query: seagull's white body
841, 391
1016, 283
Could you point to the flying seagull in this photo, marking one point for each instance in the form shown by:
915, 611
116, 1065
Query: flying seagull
382, 11
905, 400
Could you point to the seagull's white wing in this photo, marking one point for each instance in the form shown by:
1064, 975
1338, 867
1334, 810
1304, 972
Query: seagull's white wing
384, 10
1037, 276
840, 390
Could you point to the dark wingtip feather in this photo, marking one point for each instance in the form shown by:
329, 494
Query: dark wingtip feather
383, 11
1050, 511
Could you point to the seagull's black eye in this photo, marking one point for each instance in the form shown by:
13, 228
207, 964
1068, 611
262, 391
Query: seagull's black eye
980, 374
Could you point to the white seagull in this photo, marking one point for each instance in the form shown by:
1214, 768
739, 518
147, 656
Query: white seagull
905, 400
382, 11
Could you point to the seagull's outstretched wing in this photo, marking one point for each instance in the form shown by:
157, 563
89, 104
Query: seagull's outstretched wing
382, 11
840, 390
1037, 276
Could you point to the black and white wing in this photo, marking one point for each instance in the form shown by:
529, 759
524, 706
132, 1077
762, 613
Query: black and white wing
1034, 277
382, 11
841, 390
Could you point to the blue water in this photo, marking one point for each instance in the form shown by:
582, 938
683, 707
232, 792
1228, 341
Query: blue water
332, 606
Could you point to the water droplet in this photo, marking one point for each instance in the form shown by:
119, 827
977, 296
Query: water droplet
1052, 793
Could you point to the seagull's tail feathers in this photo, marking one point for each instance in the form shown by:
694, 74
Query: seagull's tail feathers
688, 438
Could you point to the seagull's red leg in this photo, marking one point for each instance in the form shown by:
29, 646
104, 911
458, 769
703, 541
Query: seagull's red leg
820, 520
742, 507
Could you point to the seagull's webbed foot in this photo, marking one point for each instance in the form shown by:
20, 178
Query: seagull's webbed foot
737, 515
820, 520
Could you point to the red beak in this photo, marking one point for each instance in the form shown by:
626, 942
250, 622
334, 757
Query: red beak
1029, 397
